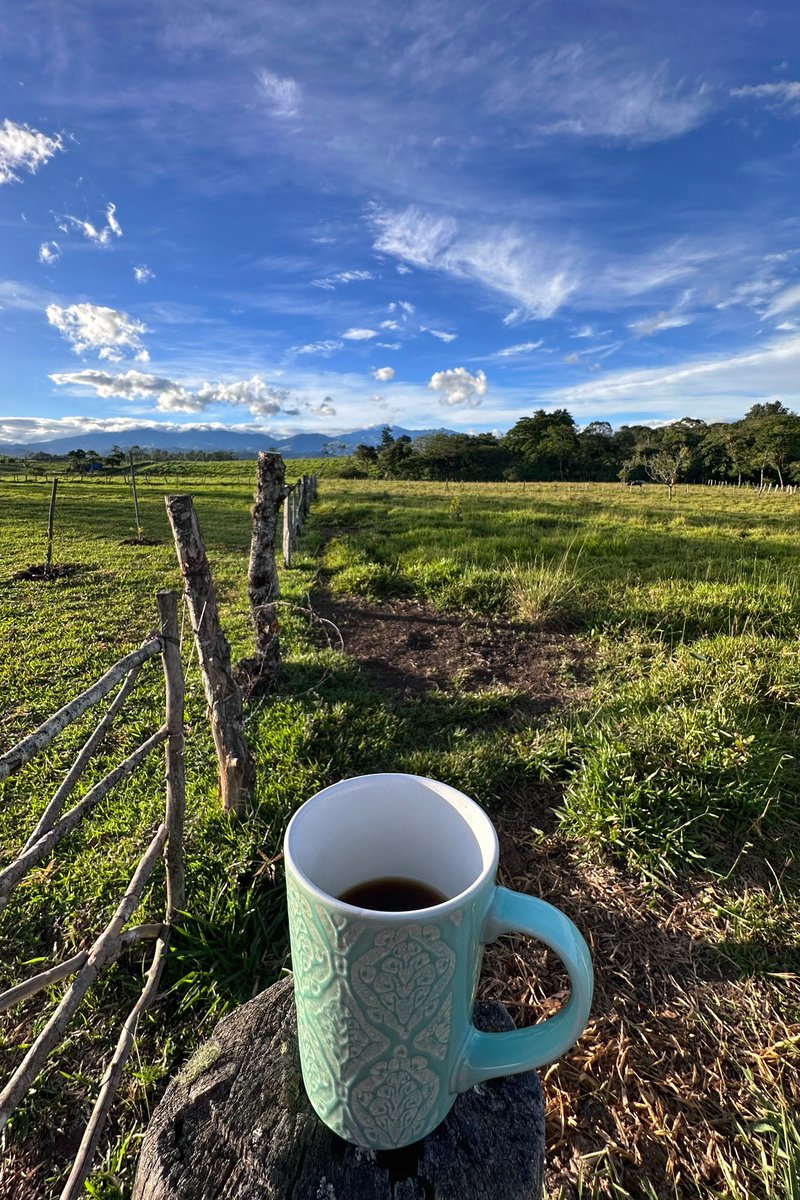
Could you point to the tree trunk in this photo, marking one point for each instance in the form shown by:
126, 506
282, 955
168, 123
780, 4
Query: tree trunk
237, 1123
237, 771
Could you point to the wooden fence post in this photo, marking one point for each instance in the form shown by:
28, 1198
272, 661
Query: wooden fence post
287, 528
135, 496
263, 586
237, 771
174, 766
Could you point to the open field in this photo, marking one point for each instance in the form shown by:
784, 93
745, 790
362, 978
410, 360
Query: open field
616, 678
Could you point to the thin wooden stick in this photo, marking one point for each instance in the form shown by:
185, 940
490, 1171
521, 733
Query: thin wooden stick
37, 983
24, 751
287, 528
135, 496
83, 1160
101, 953
55, 806
174, 765
12, 874
48, 558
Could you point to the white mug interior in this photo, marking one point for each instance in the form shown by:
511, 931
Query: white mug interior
387, 826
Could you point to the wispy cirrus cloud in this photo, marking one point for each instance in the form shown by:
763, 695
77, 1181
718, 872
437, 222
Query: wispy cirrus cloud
785, 301
282, 94
573, 90
95, 327
101, 236
24, 149
520, 348
329, 283
784, 94
458, 387
323, 348
49, 253
441, 334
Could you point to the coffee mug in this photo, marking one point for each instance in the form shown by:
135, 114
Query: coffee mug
384, 998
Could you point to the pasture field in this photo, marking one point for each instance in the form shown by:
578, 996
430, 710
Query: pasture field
615, 677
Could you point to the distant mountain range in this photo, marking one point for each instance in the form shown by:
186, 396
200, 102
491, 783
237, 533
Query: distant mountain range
243, 445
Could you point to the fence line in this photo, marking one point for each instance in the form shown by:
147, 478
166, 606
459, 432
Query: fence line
296, 507
167, 842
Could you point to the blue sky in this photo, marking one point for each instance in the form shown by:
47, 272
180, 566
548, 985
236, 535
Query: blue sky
322, 216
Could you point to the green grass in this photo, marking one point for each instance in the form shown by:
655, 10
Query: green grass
679, 767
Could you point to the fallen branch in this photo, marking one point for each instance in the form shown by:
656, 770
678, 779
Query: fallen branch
55, 806
11, 876
24, 751
102, 952
37, 983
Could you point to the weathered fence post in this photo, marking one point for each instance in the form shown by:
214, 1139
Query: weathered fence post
174, 765
306, 495
263, 586
237, 771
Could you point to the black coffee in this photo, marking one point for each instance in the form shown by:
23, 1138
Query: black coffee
393, 894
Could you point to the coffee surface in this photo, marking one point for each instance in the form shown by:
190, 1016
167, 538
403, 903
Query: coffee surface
393, 894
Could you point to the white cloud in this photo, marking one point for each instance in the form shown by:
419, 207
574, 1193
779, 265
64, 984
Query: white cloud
93, 327
788, 326
589, 331
143, 274
281, 93
790, 298
100, 237
384, 374
259, 397
457, 387
132, 385
23, 148
324, 409
49, 253
323, 348
406, 306
388, 345
402, 269
329, 282
440, 334
572, 92
774, 94
663, 320
359, 335
537, 275
389, 325
520, 348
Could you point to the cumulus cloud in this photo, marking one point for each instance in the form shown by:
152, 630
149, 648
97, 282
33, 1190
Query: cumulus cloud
49, 253
281, 93
23, 148
143, 274
457, 386
101, 236
359, 335
384, 374
330, 282
262, 399
440, 334
323, 348
93, 327
324, 409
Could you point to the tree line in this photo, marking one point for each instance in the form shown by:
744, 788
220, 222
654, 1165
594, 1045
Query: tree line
763, 446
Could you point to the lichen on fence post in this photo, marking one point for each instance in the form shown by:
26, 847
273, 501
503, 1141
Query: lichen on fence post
237, 771
263, 585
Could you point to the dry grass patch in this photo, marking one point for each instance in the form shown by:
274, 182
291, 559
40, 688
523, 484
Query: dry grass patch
686, 1082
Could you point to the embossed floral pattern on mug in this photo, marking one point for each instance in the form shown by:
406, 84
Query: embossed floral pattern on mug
375, 1021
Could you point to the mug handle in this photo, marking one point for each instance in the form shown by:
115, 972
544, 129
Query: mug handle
489, 1055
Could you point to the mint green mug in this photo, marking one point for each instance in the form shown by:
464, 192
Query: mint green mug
384, 998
